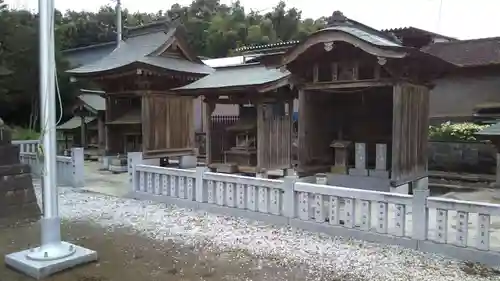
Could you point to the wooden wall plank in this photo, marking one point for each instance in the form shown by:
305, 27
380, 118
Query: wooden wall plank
410, 131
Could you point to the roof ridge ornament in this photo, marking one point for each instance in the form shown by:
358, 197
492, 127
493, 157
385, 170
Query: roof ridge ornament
337, 18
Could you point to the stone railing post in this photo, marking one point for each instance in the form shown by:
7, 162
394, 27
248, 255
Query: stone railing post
78, 167
133, 159
420, 213
289, 209
200, 191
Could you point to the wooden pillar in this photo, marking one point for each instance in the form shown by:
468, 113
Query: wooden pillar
207, 120
302, 122
290, 132
83, 132
264, 112
107, 118
101, 138
260, 136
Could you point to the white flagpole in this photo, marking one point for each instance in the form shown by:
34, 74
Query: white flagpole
53, 255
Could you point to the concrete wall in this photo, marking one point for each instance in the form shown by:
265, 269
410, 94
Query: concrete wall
455, 97
473, 157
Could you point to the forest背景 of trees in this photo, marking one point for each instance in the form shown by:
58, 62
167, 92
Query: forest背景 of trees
213, 30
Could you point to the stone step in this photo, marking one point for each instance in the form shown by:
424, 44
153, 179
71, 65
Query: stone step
15, 182
15, 169
5, 136
9, 154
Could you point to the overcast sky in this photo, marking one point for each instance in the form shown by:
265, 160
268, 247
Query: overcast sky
463, 19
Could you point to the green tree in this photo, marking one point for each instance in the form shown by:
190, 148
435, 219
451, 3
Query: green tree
19, 98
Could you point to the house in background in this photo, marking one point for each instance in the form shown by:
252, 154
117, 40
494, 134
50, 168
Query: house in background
474, 88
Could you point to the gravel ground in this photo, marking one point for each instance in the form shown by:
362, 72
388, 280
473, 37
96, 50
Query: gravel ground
320, 257
126, 256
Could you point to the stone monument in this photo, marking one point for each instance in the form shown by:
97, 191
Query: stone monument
18, 202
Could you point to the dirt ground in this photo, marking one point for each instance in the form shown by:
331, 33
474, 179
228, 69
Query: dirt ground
126, 256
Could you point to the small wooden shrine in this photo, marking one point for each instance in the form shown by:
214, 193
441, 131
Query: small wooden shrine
86, 128
142, 114
260, 140
363, 105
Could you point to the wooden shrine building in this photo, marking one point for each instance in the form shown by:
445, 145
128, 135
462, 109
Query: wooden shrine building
260, 140
141, 112
86, 127
363, 105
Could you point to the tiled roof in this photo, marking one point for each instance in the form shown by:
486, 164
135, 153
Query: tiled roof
74, 123
131, 117
93, 100
268, 46
244, 75
411, 29
468, 53
140, 47
370, 37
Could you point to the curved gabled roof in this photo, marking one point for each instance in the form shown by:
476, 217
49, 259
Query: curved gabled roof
368, 42
143, 48
236, 77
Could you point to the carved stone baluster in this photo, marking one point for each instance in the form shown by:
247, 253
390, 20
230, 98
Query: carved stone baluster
263, 203
349, 212
219, 193
275, 201
319, 208
210, 192
252, 198
240, 190
462, 228
230, 195
382, 217
366, 214
441, 226
304, 206
483, 232
334, 210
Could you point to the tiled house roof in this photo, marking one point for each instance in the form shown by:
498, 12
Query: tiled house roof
468, 53
410, 30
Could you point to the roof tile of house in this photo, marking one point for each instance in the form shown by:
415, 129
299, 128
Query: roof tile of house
468, 53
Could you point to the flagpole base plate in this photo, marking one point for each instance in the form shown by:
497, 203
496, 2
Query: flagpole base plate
44, 261
51, 252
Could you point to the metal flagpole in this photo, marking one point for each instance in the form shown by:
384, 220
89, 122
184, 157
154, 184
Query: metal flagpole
118, 22
53, 255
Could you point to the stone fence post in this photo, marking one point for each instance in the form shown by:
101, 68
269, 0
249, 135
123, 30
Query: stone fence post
419, 212
289, 209
133, 158
78, 167
199, 190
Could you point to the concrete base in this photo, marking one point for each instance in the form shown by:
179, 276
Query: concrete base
188, 162
118, 169
42, 269
358, 172
379, 174
402, 189
104, 160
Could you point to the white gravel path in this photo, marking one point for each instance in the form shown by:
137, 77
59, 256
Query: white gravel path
327, 258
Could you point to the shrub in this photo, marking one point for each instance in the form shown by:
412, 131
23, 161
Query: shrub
455, 132
19, 133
